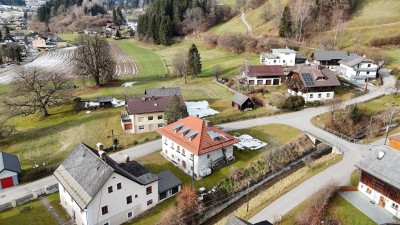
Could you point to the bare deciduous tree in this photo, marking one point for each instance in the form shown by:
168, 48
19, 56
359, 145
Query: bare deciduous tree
217, 71
337, 23
267, 12
301, 14
334, 105
36, 90
93, 59
194, 20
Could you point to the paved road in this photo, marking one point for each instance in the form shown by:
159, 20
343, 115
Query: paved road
300, 119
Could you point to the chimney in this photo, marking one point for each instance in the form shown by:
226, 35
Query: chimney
102, 155
155, 104
208, 123
100, 146
126, 158
143, 98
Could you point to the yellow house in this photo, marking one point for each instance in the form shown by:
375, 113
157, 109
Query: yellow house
145, 114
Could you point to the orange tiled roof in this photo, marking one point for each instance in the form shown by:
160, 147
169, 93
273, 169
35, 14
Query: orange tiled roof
202, 142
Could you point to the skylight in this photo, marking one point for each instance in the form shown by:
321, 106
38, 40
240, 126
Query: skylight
192, 134
213, 135
177, 127
184, 130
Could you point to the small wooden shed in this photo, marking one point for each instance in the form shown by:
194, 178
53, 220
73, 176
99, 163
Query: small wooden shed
242, 102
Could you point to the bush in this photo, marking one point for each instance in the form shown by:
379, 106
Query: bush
382, 41
294, 102
38, 172
257, 100
278, 100
211, 39
135, 142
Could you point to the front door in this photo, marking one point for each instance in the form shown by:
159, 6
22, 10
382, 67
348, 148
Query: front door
382, 201
184, 164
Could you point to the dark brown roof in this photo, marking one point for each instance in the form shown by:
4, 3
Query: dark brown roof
140, 105
265, 70
316, 76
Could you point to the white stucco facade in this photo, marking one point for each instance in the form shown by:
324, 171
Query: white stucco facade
189, 162
362, 70
283, 57
313, 96
374, 195
119, 210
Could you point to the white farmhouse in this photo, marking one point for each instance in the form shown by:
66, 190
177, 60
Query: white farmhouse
312, 82
279, 56
196, 147
358, 68
380, 178
96, 190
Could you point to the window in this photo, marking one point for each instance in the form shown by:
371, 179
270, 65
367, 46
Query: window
129, 199
107, 223
369, 190
284, 61
160, 117
135, 196
172, 156
141, 127
274, 61
183, 152
119, 186
150, 118
208, 156
311, 95
165, 141
104, 210
149, 202
191, 157
129, 214
140, 119
160, 125
319, 95
328, 95
367, 72
178, 148
149, 190
172, 145
369, 65
395, 206
110, 189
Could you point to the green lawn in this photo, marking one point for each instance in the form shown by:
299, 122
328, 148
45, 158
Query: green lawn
338, 209
38, 215
235, 25
68, 37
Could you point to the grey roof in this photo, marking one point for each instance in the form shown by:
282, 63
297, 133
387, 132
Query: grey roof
353, 60
83, 173
300, 56
167, 181
270, 55
386, 168
239, 98
234, 220
9, 162
105, 98
283, 50
163, 91
329, 55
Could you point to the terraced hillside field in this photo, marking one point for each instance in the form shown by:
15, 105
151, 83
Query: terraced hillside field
61, 60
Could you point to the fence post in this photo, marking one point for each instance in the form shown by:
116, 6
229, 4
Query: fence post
14, 203
35, 194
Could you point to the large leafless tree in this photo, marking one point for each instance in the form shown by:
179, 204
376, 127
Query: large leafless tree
36, 90
93, 59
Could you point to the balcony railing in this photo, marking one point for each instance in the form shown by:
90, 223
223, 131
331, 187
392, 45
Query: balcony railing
125, 117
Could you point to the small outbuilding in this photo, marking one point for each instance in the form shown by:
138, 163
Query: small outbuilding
242, 102
9, 170
105, 101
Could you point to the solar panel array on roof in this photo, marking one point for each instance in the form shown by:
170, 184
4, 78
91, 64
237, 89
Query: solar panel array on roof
308, 79
184, 130
192, 134
213, 135
177, 127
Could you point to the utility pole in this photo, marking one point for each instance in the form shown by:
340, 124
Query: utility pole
247, 198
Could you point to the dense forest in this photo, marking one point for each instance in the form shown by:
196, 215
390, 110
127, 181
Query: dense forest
166, 19
12, 2
55, 7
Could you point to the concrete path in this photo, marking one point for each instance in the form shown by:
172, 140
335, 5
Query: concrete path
373, 211
52, 211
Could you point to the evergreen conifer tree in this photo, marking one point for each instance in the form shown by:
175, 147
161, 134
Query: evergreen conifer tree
193, 63
285, 25
175, 110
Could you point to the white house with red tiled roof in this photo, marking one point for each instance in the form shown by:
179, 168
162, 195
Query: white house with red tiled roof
196, 147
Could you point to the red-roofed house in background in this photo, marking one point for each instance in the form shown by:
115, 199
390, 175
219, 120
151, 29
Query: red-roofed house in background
394, 142
264, 75
145, 114
196, 147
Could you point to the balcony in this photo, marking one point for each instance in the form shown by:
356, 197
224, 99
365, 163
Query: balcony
125, 117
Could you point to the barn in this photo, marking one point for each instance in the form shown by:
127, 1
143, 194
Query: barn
242, 102
105, 101
9, 170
